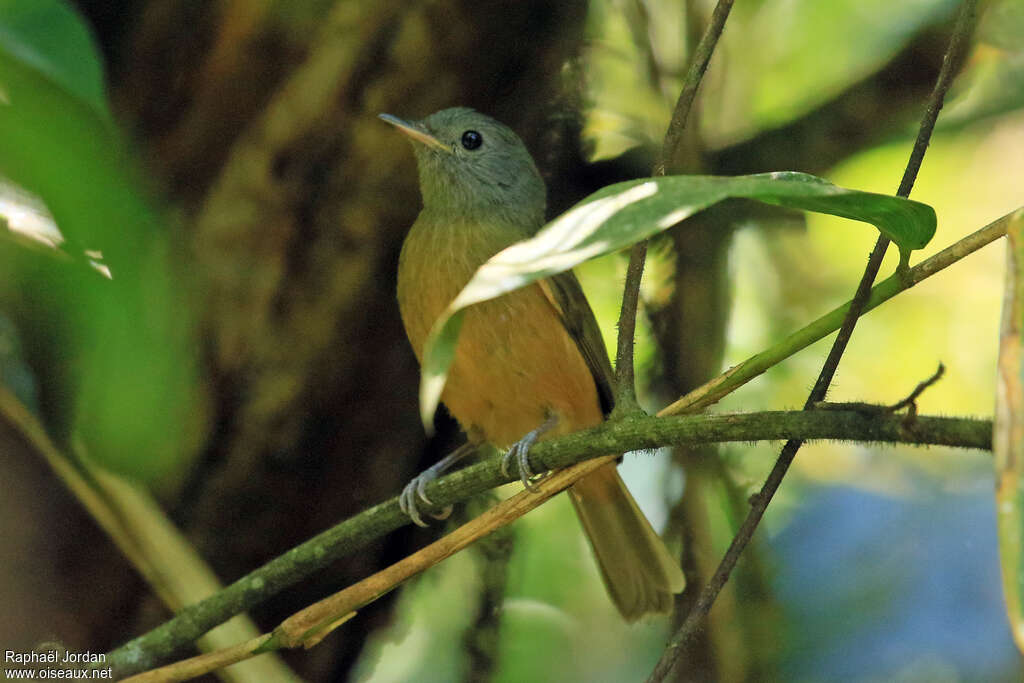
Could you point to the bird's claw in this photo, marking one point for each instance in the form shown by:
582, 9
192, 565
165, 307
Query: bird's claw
518, 459
519, 456
414, 495
408, 500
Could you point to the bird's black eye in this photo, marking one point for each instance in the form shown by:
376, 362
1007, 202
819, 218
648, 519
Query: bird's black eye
472, 139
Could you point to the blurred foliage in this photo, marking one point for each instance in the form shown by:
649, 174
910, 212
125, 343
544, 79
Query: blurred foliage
15, 374
129, 384
1008, 432
806, 53
50, 37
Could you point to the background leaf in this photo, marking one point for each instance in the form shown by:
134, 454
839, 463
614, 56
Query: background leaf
59, 147
1008, 436
123, 344
49, 36
625, 213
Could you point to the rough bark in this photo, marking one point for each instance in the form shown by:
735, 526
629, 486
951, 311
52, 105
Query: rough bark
258, 122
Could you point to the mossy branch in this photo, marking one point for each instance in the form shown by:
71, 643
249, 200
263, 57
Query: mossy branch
636, 432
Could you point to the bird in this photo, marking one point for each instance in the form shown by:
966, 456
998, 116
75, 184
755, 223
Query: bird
530, 364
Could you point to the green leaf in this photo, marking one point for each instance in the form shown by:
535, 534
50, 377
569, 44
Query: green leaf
623, 214
57, 146
1008, 433
51, 37
128, 339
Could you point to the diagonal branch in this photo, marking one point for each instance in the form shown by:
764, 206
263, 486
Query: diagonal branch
631, 433
309, 626
672, 147
715, 389
957, 46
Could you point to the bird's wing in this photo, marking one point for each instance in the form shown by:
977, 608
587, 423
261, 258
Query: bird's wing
565, 294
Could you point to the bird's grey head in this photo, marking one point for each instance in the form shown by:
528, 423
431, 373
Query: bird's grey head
474, 166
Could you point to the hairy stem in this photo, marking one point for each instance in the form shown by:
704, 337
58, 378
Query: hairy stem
625, 380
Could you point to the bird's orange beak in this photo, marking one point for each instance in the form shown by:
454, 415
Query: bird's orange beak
415, 131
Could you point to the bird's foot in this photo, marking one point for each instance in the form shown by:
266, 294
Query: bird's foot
414, 495
519, 455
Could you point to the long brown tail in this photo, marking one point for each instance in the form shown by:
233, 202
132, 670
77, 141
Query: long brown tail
638, 571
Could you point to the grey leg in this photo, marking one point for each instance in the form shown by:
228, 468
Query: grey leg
519, 454
414, 493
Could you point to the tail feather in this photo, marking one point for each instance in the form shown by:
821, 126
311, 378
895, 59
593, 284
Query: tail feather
640, 574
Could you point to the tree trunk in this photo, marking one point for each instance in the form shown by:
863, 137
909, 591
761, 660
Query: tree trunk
258, 120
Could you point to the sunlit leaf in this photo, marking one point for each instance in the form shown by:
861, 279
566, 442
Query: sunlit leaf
625, 213
1008, 435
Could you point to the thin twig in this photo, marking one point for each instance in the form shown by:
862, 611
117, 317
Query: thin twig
912, 397
759, 503
625, 375
717, 388
625, 380
909, 402
701, 57
201, 664
311, 625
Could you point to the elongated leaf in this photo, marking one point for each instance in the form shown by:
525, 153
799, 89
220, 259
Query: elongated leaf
623, 214
129, 338
1008, 434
